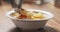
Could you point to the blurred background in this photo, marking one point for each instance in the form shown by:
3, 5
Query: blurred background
37, 2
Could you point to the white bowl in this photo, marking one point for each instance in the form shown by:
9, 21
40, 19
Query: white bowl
30, 23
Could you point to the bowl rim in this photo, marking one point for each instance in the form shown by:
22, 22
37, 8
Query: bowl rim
49, 13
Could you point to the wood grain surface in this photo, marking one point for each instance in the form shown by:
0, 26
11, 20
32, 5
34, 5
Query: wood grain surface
53, 25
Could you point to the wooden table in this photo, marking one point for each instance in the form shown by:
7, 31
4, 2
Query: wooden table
53, 25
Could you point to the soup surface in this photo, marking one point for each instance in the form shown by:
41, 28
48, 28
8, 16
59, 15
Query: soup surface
23, 14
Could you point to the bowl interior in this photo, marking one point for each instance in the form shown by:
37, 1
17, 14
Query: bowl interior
48, 14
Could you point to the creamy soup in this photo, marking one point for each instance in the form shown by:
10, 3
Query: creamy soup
28, 15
